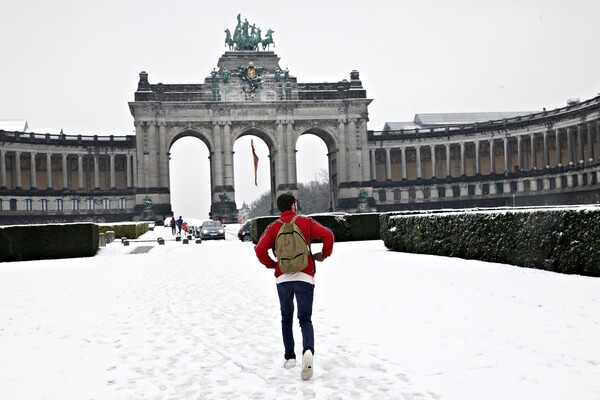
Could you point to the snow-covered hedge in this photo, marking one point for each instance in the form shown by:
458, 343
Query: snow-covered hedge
561, 240
41, 242
130, 230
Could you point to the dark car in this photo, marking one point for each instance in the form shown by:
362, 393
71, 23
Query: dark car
212, 230
245, 232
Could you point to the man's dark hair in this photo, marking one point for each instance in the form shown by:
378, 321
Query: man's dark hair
285, 201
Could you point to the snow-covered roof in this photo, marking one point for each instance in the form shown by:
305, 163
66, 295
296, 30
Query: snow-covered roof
14, 125
52, 131
427, 120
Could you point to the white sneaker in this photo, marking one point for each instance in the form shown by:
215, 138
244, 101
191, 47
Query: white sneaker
307, 365
291, 363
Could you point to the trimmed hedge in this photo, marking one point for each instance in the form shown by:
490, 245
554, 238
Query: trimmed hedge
128, 230
40, 242
566, 241
345, 227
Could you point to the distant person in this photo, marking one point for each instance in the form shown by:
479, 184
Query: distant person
184, 226
179, 225
299, 284
173, 226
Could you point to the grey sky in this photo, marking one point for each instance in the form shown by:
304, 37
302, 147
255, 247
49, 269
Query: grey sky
74, 64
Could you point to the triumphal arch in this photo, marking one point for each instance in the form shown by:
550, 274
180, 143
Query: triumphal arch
250, 93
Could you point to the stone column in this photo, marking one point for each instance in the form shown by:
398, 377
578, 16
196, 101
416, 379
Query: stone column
506, 154
65, 172
135, 167
372, 164
463, 169
342, 153
546, 156
2, 168
217, 156
403, 155
80, 170
291, 152
280, 164
33, 172
228, 154
448, 171
18, 169
353, 160
388, 164
598, 139
96, 173
163, 155
558, 148
419, 168
49, 170
590, 142
580, 156
533, 158
141, 135
433, 171
113, 180
492, 159
570, 145
477, 161
363, 149
128, 162
519, 152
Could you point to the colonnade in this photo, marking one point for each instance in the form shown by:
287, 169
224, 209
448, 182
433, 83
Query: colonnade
13, 177
413, 159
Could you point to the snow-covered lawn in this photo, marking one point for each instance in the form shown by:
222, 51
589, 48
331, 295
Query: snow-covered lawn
201, 321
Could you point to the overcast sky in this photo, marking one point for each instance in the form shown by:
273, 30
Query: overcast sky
74, 64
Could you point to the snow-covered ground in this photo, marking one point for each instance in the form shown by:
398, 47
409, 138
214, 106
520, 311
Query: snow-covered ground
200, 321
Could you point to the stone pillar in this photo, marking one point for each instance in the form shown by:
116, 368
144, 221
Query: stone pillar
291, 153
353, 160
65, 171
558, 148
590, 142
141, 135
113, 180
419, 168
433, 172
580, 156
163, 155
448, 171
492, 159
128, 162
463, 169
343, 153
2, 168
373, 167
533, 158
80, 171
18, 169
32, 172
546, 156
477, 161
403, 155
519, 152
570, 145
506, 154
280, 164
49, 170
217, 177
96, 173
598, 139
228, 155
388, 164
135, 168
364, 149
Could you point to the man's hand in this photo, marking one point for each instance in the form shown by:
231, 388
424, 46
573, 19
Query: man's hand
318, 256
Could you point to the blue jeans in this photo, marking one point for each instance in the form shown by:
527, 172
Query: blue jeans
303, 292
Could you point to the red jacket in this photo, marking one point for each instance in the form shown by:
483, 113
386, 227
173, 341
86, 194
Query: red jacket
311, 230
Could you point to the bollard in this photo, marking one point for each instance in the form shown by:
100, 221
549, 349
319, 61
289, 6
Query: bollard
189, 237
125, 242
185, 241
161, 240
198, 241
178, 238
102, 239
110, 236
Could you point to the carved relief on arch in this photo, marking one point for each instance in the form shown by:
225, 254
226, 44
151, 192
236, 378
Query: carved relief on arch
202, 132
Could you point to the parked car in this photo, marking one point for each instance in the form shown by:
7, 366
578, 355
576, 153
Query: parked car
244, 234
212, 230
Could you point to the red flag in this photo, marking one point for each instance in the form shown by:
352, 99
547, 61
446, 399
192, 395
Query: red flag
255, 161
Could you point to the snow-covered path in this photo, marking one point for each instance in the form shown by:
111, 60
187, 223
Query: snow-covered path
200, 321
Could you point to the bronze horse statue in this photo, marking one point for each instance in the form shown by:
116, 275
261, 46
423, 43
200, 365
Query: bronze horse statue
268, 39
228, 40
